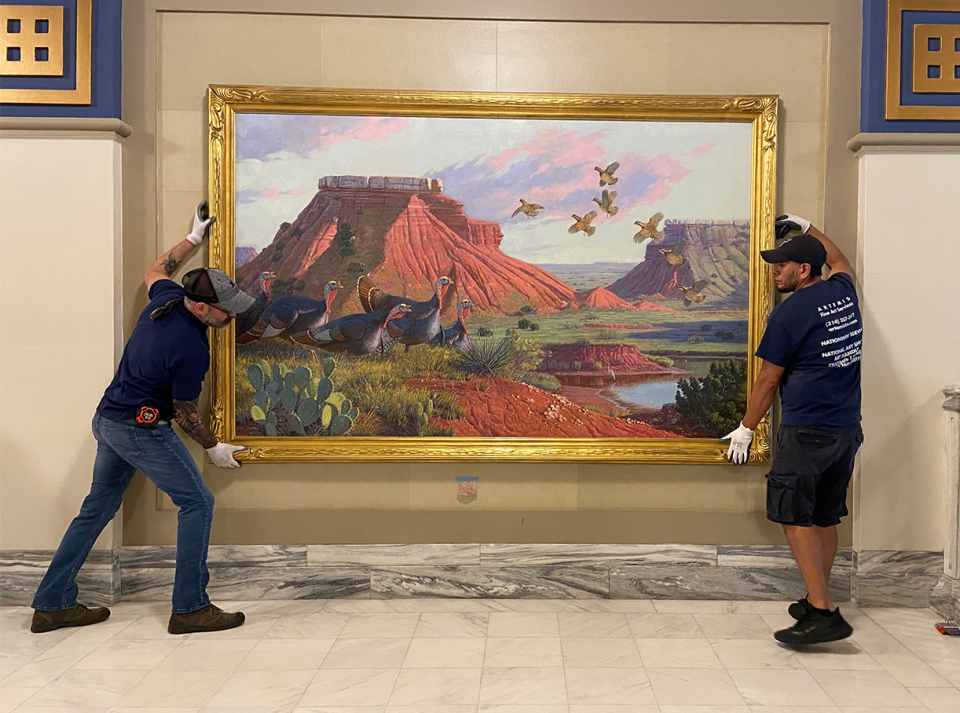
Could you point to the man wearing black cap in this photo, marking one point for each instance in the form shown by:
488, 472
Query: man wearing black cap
811, 353
158, 381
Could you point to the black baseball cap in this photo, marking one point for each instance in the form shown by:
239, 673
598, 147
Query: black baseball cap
801, 249
207, 284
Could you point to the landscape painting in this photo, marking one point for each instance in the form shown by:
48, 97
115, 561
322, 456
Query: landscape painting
461, 281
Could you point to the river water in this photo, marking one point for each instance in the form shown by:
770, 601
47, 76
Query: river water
657, 390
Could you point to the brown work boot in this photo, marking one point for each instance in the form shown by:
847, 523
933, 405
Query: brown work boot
75, 616
210, 618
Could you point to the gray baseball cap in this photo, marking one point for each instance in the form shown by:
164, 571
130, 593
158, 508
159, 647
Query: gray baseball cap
212, 286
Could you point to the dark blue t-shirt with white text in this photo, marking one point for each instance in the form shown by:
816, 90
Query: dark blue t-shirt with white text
816, 336
164, 360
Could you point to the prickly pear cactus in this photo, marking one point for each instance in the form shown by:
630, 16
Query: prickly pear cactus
305, 404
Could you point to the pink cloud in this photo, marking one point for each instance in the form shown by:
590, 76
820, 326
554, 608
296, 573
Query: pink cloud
700, 150
498, 163
269, 193
366, 129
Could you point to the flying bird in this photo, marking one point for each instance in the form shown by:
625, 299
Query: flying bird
606, 202
674, 255
606, 174
694, 295
528, 209
649, 230
583, 223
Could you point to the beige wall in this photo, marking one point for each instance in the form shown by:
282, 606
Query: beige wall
60, 237
911, 344
637, 47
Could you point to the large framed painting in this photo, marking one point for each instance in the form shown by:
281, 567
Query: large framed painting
490, 276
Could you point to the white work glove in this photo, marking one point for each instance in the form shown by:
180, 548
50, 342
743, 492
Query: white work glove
201, 226
787, 223
740, 440
222, 455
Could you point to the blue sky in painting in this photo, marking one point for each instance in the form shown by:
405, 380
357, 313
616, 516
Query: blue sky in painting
683, 169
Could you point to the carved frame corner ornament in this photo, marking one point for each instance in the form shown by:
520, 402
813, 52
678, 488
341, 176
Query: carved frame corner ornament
893, 109
225, 102
82, 93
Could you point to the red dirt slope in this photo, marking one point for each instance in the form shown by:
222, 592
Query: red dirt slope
622, 358
603, 299
509, 409
644, 306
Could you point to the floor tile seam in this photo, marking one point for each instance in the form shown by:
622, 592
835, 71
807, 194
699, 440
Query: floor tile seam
230, 672
866, 613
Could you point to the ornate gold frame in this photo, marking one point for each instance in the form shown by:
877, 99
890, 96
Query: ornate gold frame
894, 109
227, 101
81, 94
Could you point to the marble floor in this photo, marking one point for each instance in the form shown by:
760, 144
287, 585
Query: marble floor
489, 656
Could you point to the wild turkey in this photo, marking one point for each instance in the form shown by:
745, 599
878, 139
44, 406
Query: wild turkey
530, 210
292, 314
606, 174
583, 223
457, 336
245, 320
606, 202
421, 325
355, 334
694, 295
649, 230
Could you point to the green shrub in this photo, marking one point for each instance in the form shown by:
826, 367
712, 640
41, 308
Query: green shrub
487, 357
356, 268
607, 334
344, 240
484, 332
541, 380
533, 327
715, 404
661, 360
523, 324
582, 340
705, 327
527, 309
695, 339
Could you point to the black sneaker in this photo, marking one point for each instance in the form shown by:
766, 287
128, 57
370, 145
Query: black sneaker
799, 608
815, 628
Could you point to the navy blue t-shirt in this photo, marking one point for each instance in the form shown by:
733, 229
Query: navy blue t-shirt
163, 360
816, 336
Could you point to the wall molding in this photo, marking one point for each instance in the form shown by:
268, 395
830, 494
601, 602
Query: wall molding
903, 143
63, 127
486, 571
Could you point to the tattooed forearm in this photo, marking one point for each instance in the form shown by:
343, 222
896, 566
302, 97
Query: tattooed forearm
187, 416
170, 265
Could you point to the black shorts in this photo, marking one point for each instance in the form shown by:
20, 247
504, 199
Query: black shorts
811, 471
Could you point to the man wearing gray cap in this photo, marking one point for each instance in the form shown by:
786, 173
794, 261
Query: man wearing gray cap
810, 351
158, 381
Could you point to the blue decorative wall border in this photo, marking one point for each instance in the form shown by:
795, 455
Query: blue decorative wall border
873, 80
105, 66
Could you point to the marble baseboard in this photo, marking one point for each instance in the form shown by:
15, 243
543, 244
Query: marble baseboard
22, 570
249, 583
727, 583
491, 582
548, 571
945, 597
892, 578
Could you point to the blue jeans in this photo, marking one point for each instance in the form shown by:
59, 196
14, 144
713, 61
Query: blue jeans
161, 456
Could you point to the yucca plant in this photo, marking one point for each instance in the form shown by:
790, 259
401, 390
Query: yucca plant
486, 357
